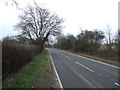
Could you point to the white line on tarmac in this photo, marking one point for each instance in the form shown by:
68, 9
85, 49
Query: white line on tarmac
92, 60
68, 57
117, 84
84, 67
95, 60
61, 86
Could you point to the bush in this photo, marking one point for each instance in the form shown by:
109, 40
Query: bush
15, 55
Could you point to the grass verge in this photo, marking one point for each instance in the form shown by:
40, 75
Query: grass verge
111, 62
36, 74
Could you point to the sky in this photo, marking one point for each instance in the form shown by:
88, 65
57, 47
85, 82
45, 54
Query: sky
77, 15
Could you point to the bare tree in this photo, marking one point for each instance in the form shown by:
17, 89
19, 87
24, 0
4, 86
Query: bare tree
11, 2
109, 39
36, 23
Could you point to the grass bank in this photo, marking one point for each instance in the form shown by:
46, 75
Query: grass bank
36, 74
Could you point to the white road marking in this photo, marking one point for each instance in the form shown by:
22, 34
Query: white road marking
61, 86
117, 84
84, 67
92, 60
98, 74
68, 57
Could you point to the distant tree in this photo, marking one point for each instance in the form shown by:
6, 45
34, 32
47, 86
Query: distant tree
67, 42
71, 40
89, 40
108, 37
62, 42
36, 24
117, 41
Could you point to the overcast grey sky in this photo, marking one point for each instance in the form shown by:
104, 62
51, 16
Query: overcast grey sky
85, 14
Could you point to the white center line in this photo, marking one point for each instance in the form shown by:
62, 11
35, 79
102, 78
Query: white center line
68, 57
117, 84
98, 74
84, 67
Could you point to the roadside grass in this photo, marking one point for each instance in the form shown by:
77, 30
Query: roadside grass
112, 62
36, 74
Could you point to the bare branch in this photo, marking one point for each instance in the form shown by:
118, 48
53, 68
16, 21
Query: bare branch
37, 22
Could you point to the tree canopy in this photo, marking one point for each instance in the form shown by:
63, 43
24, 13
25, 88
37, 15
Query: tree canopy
85, 41
37, 23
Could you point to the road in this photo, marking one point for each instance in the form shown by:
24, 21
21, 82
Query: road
79, 72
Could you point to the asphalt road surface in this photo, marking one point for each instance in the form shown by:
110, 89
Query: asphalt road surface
79, 72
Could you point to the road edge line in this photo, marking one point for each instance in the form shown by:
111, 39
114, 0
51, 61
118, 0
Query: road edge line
93, 60
54, 68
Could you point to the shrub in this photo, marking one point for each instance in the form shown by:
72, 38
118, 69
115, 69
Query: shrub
15, 55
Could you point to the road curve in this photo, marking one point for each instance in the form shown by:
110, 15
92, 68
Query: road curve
79, 72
